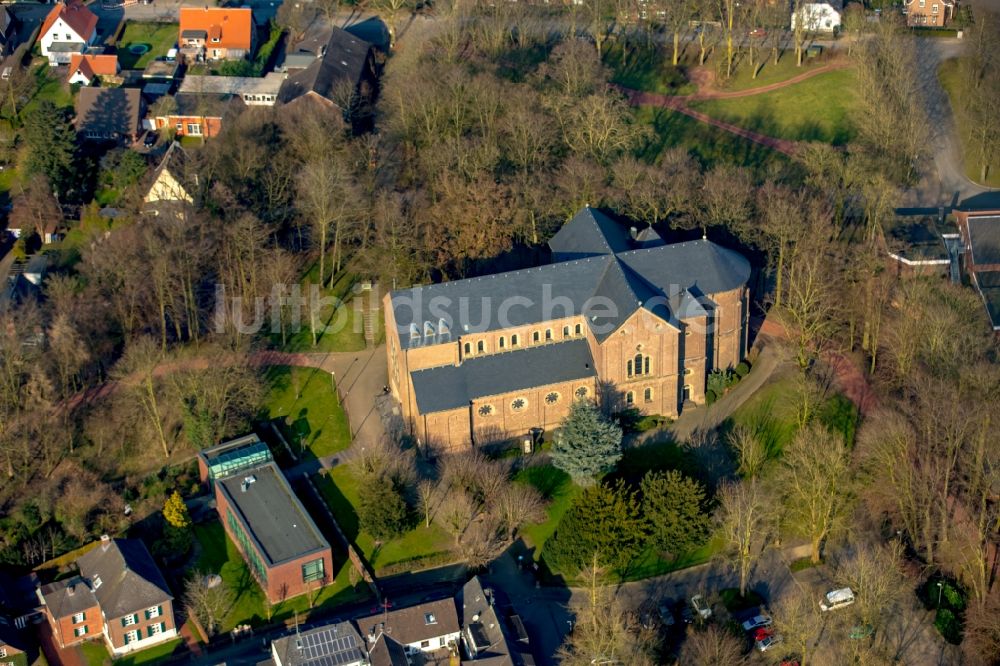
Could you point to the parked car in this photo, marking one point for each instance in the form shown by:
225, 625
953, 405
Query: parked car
837, 599
768, 642
758, 32
701, 607
762, 633
756, 622
150, 139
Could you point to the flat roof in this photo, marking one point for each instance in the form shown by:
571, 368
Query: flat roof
233, 85
919, 237
271, 514
984, 235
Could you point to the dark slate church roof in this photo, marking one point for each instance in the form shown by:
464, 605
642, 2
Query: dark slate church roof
598, 273
451, 386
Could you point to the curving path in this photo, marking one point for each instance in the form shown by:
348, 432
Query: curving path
680, 104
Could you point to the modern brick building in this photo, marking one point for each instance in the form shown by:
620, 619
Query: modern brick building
980, 232
119, 595
619, 316
281, 544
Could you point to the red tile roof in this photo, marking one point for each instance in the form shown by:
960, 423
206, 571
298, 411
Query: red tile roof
75, 15
233, 27
93, 65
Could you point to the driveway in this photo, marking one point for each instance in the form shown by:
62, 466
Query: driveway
947, 185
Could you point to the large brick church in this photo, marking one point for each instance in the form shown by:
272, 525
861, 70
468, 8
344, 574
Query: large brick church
618, 315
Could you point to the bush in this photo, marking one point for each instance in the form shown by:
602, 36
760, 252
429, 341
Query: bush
717, 382
382, 510
710, 397
742, 370
948, 625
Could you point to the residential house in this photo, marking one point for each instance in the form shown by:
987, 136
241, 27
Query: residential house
109, 114
427, 627
200, 115
338, 644
68, 30
216, 33
8, 32
485, 638
119, 595
980, 231
307, 50
253, 90
386, 651
18, 598
932, 13
281, 544
345, 75
171, 181
12, 648
819, 16
86, 69
646, 322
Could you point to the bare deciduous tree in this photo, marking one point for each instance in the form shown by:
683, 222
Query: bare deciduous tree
743, 519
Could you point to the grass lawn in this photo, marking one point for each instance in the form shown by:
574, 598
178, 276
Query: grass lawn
315, 424
342, 492
49, 88
769, 72
646, 69
556, 487
709, 145
818, 109
341, 328
949, 74
159, 37
152, 655
219, 555
95, 653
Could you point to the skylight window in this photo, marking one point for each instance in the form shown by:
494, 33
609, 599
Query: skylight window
429, 618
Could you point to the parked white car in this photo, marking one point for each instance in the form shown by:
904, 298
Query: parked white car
837, 599
701, 607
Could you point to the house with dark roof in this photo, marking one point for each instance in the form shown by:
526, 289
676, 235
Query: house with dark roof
337, 644
118, 595
386, 651
343, 77
68, 30
430, 627
173, 184
109, 114
633, 321
485, 637
8, 32
260, 512
980, 231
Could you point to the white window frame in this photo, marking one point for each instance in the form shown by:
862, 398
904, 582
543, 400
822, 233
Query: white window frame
129, 620
133, 636
154, 611
156, 629
78, 618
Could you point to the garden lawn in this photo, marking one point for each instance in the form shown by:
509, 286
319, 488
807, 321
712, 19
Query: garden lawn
159, 37
219, 555
817, 109
152, 655
709, 145
94, 653
559, 490
341, 327
420, 547
950, 77
49, 88
305, 400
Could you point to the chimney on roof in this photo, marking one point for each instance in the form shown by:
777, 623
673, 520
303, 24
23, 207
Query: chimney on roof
105, 542
71, 589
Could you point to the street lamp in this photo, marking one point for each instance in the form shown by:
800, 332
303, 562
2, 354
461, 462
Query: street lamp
940, 585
